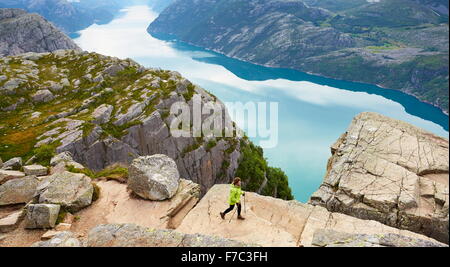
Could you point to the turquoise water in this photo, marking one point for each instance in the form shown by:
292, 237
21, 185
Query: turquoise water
313, 111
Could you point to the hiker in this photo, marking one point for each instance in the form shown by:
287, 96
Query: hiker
235, 198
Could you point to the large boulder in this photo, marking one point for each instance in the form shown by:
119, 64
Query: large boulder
10, 175
18, 191
392, 172
37, 170
41, 216
73, 191
131, 235
14, 163
62, 239
154, 177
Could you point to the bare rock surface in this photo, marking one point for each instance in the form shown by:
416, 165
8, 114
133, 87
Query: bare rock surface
275, 222
389, 171
117, 205
130, 235
330, 238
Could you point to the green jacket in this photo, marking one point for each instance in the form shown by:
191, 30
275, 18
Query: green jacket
235, 195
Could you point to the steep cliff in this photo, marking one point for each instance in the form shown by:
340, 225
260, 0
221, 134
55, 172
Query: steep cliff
22, 32
397, 44
105, 110
373, 178
392, 172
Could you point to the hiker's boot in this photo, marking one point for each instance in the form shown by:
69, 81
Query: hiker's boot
222, 215
241, 218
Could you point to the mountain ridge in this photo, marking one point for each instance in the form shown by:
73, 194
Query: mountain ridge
406, 56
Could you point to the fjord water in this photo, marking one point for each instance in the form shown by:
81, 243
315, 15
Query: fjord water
313, 111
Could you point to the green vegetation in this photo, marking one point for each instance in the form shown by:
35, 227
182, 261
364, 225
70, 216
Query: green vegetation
96, 194
44, 154
118, 131
190, 92
116, 172
253, 170
61, 215
211, 143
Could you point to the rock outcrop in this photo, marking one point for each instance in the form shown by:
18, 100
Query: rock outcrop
130, 235
109, 111
154, 177
392, 172
275, 222
21, 32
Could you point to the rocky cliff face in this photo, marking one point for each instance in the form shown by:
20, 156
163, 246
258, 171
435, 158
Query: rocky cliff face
352, 41
104, 111
369, 189
392, 172
69, 16
22, 32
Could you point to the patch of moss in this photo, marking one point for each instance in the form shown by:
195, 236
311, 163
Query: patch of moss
44, 154
118, 131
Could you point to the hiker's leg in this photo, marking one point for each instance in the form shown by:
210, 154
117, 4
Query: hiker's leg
229, 209
239, 208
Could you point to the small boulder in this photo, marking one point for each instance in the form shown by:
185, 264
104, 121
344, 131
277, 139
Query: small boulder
60, 239
18, 191
10, 222
10, 175
41, 216
154, 177
43, 96
37, 170
14, 163
73, 191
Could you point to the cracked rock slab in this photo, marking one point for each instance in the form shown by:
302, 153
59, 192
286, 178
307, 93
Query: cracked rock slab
131, 235
387, 170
